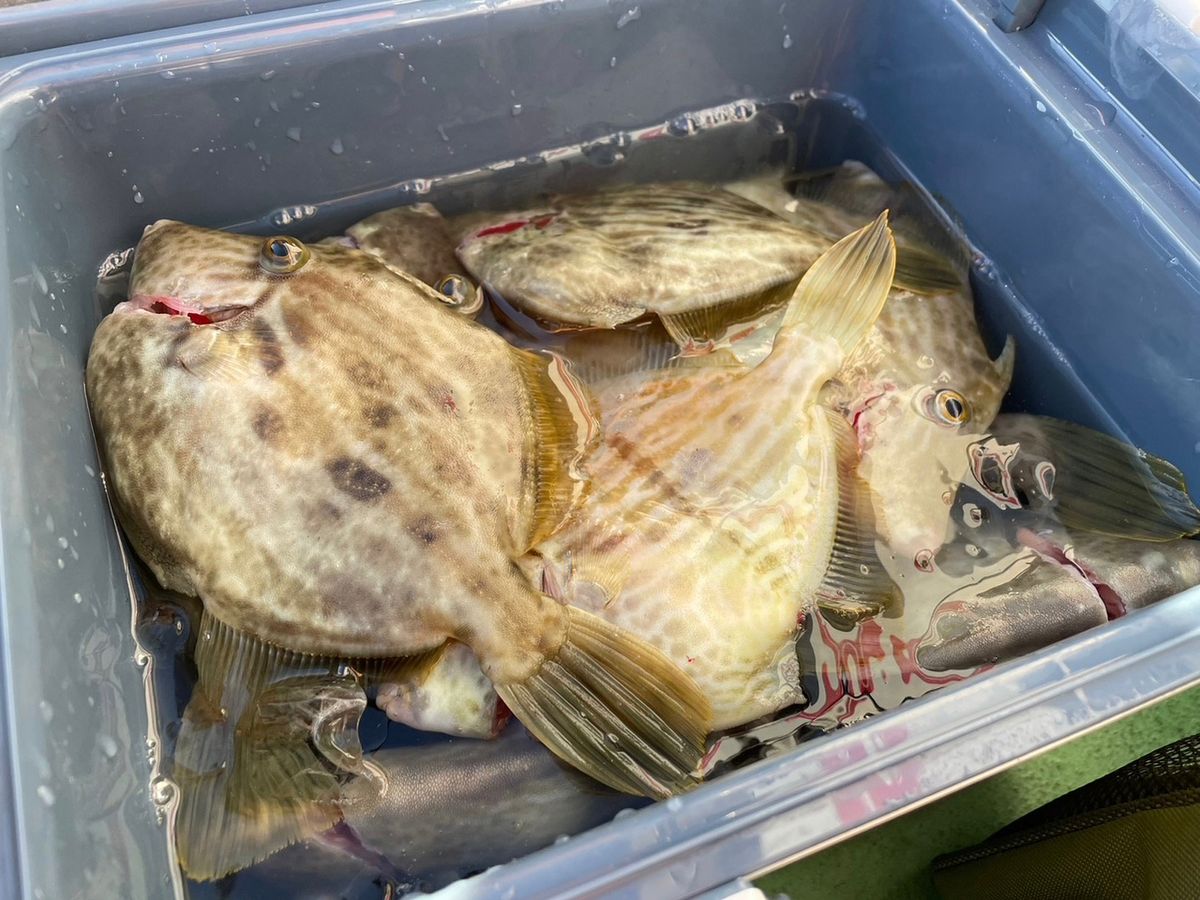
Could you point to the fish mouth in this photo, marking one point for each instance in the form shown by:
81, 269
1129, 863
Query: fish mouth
174, 306
1114, 604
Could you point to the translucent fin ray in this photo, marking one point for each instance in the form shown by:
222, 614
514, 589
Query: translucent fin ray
564, 428
616, 708
855, 585
843, 293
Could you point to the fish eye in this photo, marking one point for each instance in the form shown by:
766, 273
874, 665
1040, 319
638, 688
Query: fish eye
454, 290
282, 255
951, 407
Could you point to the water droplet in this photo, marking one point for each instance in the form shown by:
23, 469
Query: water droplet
682, 126
1101, 113
973, 515
787, 41
1041, 107
290, 215
337, 148
168, 74
77, 597
624, 813
47, 711
674, 804
267, 75
864, 569
517, 109
631, 15
138, 198
925, 362
61, 563
612, 63
108, 746
46, 795
274, 104
972, 550
561, 839
293, 133
63, 542
162, 791
441, 130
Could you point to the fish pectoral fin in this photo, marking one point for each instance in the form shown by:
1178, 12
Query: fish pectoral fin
843, 293
615, 708
564, 429
695, 330
263, 753
1093, 482
856, 585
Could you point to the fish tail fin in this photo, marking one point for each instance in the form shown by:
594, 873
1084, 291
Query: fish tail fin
843, 293
267, 747
564, 428
615, 708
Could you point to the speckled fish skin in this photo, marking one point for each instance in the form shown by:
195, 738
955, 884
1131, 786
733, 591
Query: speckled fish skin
602, 259
921, 344
414, 239
272, 464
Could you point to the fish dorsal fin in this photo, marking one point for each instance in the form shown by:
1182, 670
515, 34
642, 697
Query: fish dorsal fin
1093, 482
843, 293
856, 585
564, 430
268, 743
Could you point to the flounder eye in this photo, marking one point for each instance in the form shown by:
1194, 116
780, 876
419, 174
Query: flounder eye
282, 255
460, 295
454, 290
951, 407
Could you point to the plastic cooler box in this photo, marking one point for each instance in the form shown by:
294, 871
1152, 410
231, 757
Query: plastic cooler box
1059, 150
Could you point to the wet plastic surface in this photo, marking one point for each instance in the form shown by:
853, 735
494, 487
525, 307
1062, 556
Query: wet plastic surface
29, 25
1077, 209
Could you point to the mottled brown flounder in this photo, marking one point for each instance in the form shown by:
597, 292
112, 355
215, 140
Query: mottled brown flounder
695, 256
337, 465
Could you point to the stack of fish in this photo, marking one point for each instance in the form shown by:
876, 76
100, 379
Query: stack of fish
635, 467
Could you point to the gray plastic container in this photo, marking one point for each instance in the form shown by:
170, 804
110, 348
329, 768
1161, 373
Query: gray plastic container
312, 116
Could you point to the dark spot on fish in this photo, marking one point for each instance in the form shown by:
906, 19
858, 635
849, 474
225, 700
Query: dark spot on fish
328, 512
380, 415
298, 328
689, 224
356, 478
365, 374
425, 528
269, 348
267, 424
448, 403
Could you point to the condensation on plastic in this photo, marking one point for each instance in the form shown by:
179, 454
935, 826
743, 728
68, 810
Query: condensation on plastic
1093, 222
